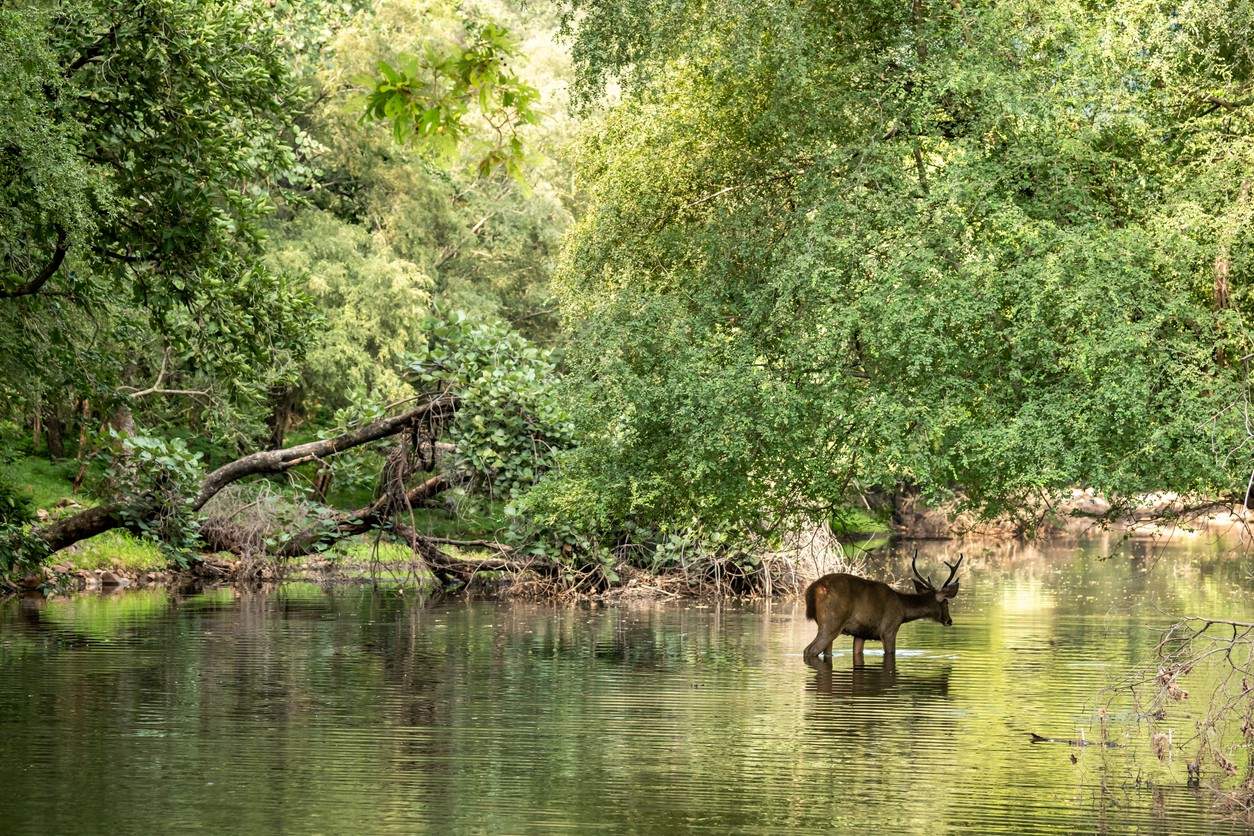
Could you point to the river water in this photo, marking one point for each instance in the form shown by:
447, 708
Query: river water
356, 711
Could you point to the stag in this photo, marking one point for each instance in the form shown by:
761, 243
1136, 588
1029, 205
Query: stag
865, 609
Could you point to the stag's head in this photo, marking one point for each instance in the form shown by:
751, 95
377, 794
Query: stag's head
940, 594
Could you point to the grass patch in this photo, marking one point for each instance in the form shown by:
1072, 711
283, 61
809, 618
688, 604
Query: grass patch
362, 551
853, 520
45, 482
118, 550
481, 524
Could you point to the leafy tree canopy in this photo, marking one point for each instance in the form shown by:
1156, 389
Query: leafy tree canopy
140, 146
384, 228
1003, 247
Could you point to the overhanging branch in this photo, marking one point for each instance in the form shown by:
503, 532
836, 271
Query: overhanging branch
36, 284
278, 461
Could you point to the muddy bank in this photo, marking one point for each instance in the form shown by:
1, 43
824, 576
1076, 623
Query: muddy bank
630, 584
215, 571
1082, 513
64, 577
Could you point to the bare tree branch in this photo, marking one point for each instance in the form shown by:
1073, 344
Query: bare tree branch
157, 389
278, 461
36, 284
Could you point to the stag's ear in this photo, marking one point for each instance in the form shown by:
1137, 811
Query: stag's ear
920, 586
947, 592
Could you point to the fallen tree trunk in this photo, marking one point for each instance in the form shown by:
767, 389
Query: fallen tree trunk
382, 514
375, 515
81, 526
278, 461
85, 524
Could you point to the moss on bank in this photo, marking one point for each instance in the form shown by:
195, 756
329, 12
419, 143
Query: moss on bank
45, 482
852, 520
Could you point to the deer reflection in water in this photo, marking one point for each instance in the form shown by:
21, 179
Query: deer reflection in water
870, 682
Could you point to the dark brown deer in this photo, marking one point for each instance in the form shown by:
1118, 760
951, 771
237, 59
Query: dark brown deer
865, 609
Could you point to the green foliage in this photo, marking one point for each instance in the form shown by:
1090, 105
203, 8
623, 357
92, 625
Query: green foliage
14, 442
155, 481
509, 425
119, 95
141, 145
485, 242
461, 519
239, 241
19, 552
371, 302
385, 229
426, 97
995, 246
16, 506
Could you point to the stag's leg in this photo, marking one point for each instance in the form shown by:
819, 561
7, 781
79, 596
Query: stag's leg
857, 652
823, 641
812, 649
890, 649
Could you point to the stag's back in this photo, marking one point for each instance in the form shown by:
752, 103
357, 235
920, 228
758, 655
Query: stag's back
861, 605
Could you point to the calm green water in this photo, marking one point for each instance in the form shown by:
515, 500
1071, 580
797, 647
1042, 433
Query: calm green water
304, 710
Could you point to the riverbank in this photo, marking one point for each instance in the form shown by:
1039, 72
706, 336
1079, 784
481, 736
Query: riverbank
467, 553
460, 550
121, 559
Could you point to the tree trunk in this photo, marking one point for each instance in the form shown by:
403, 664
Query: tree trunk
54, 429
282, 408
123, 421
37, 430
322, 483
94, 521
50, 268
84, 415
1222, 266
81, 526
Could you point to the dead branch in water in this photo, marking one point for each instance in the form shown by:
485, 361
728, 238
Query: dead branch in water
1071, 741
450, 570
1216, 654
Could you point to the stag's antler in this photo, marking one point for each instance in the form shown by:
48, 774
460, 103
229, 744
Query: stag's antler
927, 581
953, 569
